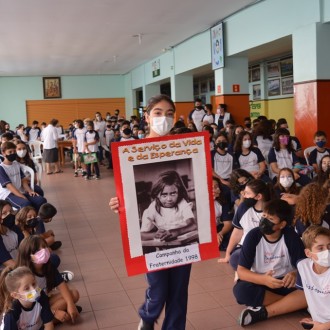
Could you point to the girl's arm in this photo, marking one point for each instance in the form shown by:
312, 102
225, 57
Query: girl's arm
191, 225
67, 296
27, 188
14, 190
235, 237
227, 226
11, 263
274, 168
49, 326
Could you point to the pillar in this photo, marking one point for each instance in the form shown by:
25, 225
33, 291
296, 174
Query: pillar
311, 69
183, 94
232, 87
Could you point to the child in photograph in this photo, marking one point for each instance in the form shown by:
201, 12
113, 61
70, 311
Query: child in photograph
169, 214
24, 305
313, 277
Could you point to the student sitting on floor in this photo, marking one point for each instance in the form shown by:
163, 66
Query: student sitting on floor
313, 277
267, 265
33, 253
24, 305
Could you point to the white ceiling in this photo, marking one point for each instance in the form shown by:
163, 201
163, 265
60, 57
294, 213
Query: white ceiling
83, 37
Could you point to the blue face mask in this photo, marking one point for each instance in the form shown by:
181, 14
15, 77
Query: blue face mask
320, 144
140, 136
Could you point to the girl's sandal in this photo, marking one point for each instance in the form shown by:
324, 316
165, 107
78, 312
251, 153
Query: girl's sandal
60, 171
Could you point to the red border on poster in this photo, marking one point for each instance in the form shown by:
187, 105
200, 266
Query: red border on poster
137, 265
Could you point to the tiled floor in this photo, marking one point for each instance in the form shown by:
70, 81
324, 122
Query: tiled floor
92, 250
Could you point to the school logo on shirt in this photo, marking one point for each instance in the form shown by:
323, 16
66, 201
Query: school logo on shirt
271, 258
324, 291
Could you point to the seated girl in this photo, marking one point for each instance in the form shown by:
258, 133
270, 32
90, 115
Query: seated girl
33, 252
169, 214
248, 157
10, 236
23, 157
283, 155
22, 302
286, 187
223, 214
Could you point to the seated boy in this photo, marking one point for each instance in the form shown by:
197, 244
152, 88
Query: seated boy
313, 277
320, 139
46, 213
267, 266
14, 186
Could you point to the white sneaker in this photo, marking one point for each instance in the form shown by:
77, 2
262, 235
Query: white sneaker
67, 275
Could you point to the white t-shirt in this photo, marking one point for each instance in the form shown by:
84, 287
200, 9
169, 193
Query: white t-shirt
79, 136
50, 137
223, 165
10, 174
170, 218
316, 288
197, 117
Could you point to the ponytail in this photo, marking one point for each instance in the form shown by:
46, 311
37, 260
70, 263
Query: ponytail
260, 187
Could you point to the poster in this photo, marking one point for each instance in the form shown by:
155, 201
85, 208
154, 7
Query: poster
218, 60
165, 220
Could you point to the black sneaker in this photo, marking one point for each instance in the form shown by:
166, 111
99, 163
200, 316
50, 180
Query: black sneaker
75, 174
252, 315
145, 326
56, 245
67, 275
84, 173
79, 309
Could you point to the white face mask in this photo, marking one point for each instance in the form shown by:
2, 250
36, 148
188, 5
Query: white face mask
21, 153
286, 182
247, 143
323, 258
161, 125
31, 296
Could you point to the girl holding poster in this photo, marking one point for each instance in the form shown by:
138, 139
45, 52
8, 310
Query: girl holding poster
168, 286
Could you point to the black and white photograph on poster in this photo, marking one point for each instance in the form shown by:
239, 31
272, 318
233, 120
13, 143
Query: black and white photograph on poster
166, 203
165, 221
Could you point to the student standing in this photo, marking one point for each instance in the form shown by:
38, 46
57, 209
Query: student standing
167, 287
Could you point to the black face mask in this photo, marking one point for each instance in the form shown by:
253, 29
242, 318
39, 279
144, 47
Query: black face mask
127, 131
31, 223
108, 126
12, 157
9, 220
250, 202
222, 145
90, 131
248, 125
266, 226
200, 107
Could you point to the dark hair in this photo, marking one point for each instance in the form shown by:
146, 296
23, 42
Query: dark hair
222, 133
30, 245
209, 106
261, 118
260, 187
264, 129
158, 98
320, 133
276, 143
3, 228
26, 159
223, 106
194, 127
279, 208
47, 211
197, 99
221, 199
280, 122
239, 141
90, 123
168, 178
179, 124
80, 123
9, 136
322, 176
247, 119
180, 130
234, 176
7, 146
35, 122
294, 189
54, 122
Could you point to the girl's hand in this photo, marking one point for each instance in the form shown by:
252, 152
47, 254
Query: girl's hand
296, 175
220, 238
62, 316
224, 260
114, 204
32, 193
73, 312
